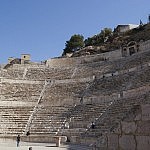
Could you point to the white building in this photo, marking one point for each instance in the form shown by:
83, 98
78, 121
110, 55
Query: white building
124, 28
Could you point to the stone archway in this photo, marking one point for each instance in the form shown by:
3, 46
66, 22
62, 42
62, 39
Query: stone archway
132, 48
124, 52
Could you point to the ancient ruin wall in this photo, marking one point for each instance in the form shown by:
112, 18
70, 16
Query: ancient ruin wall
133, 133
144, 46
113, 55
67, 62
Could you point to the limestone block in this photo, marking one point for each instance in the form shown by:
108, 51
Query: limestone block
128, 127
127, 142
102, 141
116, 73
138, 117
117, 130
130, 117
73, 139
145, 112
113, 141
132, 69
143, 142
143, 127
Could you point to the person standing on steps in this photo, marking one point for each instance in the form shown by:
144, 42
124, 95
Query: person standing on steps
18, 140
28, 133
92, 125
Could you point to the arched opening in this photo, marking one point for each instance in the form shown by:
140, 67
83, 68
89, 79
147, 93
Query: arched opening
131, 50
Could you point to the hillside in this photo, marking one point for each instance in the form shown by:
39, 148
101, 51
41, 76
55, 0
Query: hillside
115, 41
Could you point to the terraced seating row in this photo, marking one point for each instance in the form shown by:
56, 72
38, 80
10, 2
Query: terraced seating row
20, 91
80, 117
53, 116
121, 82
48, 73
109, 121
132, 61
101, 68
55, 94
12, 73
80, 71
13, 119
48, 120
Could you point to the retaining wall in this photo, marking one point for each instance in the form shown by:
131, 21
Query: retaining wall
133, 133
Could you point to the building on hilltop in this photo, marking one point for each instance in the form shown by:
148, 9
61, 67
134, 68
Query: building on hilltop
25, 58
124, 28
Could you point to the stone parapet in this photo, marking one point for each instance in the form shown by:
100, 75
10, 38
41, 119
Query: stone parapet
73, 61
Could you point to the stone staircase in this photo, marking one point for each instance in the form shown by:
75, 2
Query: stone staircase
79, 118
36, 107
48, 120
110, 120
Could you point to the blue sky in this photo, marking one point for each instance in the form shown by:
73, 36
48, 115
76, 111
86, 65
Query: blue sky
41, 27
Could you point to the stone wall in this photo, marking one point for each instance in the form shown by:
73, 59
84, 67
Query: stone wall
144, 46
133, 132
66, 62
113, 55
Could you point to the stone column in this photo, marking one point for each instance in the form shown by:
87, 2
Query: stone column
57, 140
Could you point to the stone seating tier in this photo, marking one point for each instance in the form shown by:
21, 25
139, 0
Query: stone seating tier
79, 71
116, 113
99, 68
57, 93
12, 73
121, 82
90, 69
87, 112
48, 73
14, 119
21, 91
48, 119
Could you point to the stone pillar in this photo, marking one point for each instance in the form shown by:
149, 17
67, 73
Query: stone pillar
57, 140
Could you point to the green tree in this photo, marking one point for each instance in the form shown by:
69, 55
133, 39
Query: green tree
76, 42
105, 33
100, 38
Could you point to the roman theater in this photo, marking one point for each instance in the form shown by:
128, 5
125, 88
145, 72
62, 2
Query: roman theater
57, 100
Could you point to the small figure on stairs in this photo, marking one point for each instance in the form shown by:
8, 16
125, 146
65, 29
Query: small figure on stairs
28, 133
92, 125
18, 140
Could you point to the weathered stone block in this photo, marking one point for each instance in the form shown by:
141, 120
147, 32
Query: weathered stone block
129, 127
144, 127
117, 130
113, 141
145, 112
130, 117
143, 142
138, 117
102, 141
127, 142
